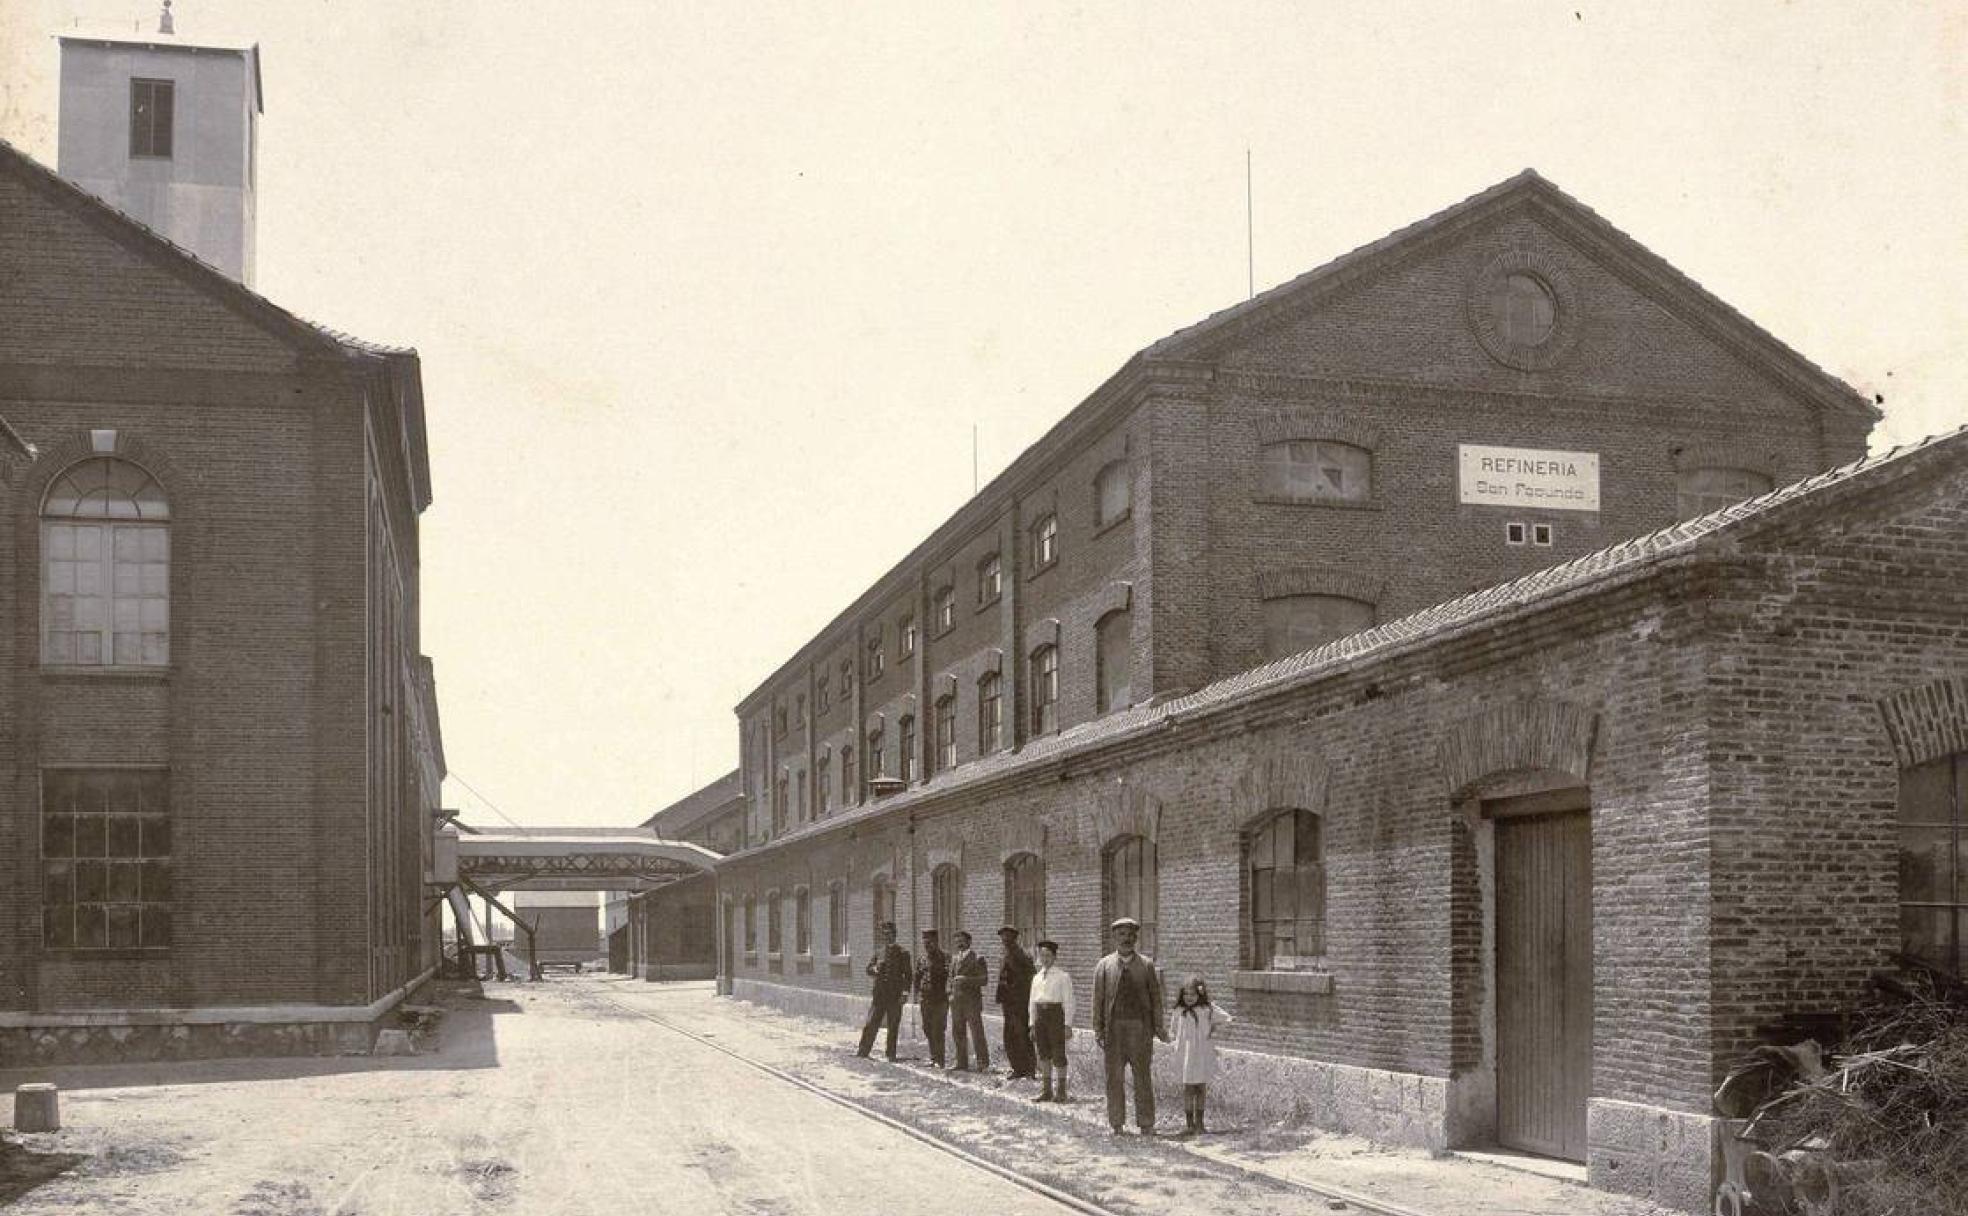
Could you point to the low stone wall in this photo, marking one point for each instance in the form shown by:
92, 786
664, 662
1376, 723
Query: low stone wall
1668, 1156
667, 972
1391, 1107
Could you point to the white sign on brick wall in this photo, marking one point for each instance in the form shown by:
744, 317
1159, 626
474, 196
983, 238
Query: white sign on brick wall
1528, 477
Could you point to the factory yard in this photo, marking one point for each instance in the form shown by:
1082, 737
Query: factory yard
577, 1096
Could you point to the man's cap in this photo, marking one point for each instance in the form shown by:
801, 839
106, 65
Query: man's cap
1004, 929
1129, 921
929, 933
888, 926
1046, 943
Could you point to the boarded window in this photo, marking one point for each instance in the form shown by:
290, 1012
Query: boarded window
106, 875
1114, 661
1112, 495
151, 106
1129, 881
1297, 623
1934, 861
1311, 470
1024, 899
1711, 489
1287, 890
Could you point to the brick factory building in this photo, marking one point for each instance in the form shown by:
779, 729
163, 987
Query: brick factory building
672, 932
1317, 639
220, 753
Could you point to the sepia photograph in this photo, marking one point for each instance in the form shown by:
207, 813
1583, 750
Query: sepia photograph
843, 609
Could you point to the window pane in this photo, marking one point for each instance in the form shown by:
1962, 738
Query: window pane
57, 882
58, 836
91, 927
1927, 865
123, 881
123, 933
1311, 901
1307, 829
1261, 884
91, 836
156, 926
58, 927
156, 881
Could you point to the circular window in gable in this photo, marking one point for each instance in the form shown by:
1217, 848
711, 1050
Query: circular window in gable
1524, 311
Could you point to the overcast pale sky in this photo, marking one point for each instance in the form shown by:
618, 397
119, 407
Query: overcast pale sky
710, 296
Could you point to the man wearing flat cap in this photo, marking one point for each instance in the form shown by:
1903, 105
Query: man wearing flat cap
1127, 1019
891, 971
933, 994
1014, 996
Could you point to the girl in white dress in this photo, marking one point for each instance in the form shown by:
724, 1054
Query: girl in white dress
1196, 1021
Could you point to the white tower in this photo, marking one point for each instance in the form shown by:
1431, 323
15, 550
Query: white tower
164, 130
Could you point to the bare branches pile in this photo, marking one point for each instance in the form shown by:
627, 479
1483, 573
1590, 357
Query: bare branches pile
1880, 1128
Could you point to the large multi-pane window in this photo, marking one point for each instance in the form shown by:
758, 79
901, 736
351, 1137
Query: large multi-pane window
1045, 542
1128, 881
1934, 861
802, 921
1287, 890
1024, 898
1112, 495
1114, 661
152, 103
106, 567
1045, 690
905, 764
837, 917
946, 901
105, 859
1309, 470
1710, 489
946, 733
990, 713
1294, 624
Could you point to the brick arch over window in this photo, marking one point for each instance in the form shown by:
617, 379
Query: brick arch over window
1124, 810
1285, 426
1523, 735
1319, 580
1114, 597
1740, 454
1022, 836
1928, 721
52, 461
1279, 781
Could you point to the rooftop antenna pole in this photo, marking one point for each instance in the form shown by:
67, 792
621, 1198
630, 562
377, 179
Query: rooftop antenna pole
1250, 245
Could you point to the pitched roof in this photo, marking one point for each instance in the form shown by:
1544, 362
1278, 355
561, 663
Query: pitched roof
1594, 572
1577, 220
693, 808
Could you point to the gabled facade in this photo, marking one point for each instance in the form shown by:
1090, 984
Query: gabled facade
1502, 386
221, 753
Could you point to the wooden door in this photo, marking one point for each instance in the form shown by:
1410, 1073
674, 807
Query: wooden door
1544, 981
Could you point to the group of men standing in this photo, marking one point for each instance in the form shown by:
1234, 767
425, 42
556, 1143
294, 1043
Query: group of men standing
1037, 1004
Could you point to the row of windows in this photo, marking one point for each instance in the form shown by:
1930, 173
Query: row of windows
1285, 910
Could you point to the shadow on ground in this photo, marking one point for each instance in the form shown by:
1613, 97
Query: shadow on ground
466, 1039
22, 1169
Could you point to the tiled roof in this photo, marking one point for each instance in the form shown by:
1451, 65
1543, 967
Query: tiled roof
1631, 558
212, 277
695, 807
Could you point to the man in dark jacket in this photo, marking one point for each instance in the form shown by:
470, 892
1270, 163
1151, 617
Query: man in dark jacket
933, 993
1127, 1019
890, 968
1014, 995
968, 971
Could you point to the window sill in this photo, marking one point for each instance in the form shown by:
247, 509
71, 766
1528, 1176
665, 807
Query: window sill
88, 954
1113, 523
752, 957
1313, 983
840, 960
774, 956
1042, 568
990, 603
1337, 504
130, 672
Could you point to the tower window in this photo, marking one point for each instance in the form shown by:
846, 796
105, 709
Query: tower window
150, 118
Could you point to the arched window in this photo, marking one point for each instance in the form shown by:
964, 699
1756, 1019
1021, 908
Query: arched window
990, 580
1128, 881
946, 610
1287, 869
781, 794
803, 921
990, 713
847, 775
106, 567
877, 764
1114, 662
1024, 897
1045, 690
882, 896
822, 781
905, 764
946, 733
1710, 489
773, 942
1297, 623
946, 900
876, 659
905, 636
1934, 861
751, 925
837, 917
1112, 495
1045, 542
1315, 470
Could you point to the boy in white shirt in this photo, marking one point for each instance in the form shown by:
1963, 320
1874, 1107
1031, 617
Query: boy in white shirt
1052, 1019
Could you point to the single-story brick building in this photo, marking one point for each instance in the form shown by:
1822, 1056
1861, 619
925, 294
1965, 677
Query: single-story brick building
1527, 868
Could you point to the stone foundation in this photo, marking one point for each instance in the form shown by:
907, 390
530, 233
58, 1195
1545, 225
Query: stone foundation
1391, 1107
669, 972
1667, 1156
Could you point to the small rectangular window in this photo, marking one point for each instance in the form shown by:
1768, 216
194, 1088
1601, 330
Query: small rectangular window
151, 103
1541, 534
1513, 534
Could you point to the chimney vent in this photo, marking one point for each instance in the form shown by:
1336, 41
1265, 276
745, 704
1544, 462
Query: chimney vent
164, 20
